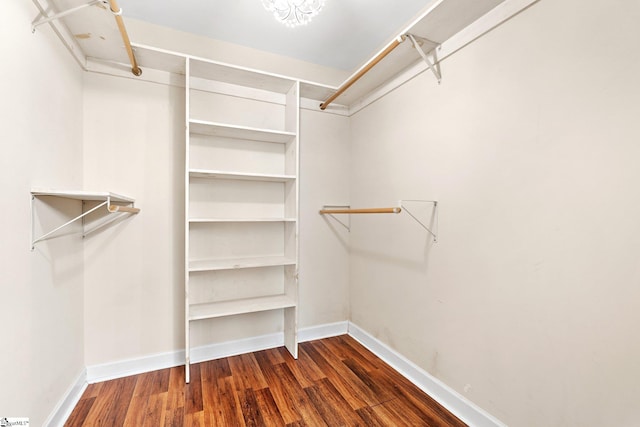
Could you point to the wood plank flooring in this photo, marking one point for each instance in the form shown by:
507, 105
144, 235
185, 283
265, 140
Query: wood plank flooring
334, 382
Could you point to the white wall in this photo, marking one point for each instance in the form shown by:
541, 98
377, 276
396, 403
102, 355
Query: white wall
324, 244
41, 291
528, 304
134, 145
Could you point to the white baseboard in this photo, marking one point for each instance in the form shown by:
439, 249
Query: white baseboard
323, 331
443, 394
153, 362
69, 401
139, 365
457, 404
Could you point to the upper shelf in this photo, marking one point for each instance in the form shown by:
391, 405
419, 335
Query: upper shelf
83, 195
446, 26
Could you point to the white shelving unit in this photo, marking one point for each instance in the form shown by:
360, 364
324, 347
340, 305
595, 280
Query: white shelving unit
241, 196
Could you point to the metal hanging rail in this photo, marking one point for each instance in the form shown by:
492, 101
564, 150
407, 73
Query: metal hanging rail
362, 72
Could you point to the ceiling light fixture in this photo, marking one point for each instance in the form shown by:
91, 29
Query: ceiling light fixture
294, 12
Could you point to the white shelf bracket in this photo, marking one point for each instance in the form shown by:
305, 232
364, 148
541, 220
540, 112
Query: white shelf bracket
41, 19
44, 236
110, 209
432, 227
432, 65
346, 225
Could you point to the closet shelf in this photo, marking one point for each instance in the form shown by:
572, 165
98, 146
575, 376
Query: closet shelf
214, 220
199, 127
114, 203
83, 195
239, 263
240, 306
241, 176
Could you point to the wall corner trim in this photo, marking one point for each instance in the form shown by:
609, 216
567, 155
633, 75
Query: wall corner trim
457, 404
69, 400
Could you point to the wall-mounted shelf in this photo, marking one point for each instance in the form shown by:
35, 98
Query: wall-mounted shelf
114, 203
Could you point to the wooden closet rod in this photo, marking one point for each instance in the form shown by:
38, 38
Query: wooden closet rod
117, 208
117, 12
362, 72
361, 211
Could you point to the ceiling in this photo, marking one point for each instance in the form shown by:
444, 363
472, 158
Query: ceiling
344, 35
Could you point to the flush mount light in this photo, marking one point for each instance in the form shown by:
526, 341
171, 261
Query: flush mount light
293, 13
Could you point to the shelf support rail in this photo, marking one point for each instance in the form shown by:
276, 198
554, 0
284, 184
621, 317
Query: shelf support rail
431, 65
110, 208
345, 209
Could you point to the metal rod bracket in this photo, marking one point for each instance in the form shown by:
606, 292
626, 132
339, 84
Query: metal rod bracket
431, 65
41, 19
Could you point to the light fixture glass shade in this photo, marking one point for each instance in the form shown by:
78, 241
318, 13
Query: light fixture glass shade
294, 12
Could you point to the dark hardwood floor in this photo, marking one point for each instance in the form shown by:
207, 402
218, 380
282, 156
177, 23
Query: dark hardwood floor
334, 382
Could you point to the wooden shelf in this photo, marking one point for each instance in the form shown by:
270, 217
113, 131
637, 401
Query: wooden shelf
214, 220
241, 306
239, 263
200, 127
217, 174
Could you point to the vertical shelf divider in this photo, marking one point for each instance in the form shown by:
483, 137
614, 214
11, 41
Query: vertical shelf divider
187, 139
